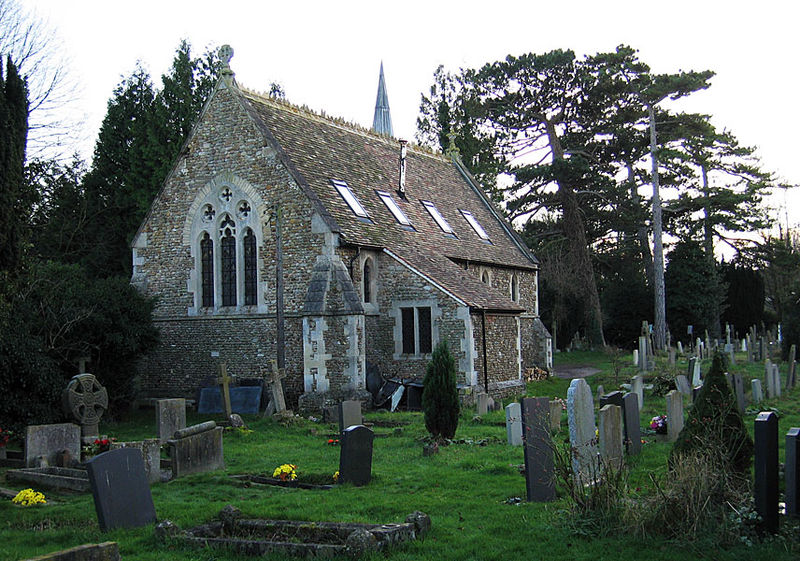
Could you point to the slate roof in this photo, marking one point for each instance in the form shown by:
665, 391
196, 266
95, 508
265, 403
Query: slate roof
319, 150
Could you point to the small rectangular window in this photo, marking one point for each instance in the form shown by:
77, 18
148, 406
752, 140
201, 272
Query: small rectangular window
475, 225
437, 217
416, 330
409, 347
396, 211
348, 196
424, 329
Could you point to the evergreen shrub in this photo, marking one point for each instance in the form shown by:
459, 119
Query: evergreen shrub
440, 395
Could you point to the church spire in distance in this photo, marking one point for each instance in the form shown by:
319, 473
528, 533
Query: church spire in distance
382, 121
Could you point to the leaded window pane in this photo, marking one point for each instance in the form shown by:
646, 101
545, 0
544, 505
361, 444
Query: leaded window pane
367, 281
250, 264
408, 331
228, 270
424, 323
207, 267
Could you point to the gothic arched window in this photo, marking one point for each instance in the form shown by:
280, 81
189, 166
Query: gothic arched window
367, 280
250, 266
515, 288
207, 270
228, 251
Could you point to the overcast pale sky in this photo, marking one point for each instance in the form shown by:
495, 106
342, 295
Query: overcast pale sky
327, 54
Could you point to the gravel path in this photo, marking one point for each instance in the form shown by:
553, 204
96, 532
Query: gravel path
569, 371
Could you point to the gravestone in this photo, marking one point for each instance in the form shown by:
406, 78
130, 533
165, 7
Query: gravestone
790, 376
633, 430
611, 398
776, 379
792, 472
696, 392
600, 392
482, 401
224, 383
758, 394
671, 356
680, 348
86, 400
120, 490
765, 462
694, 371
635, 357
538, 450
682, 385
196, 449
611, 434
674, 415
580, 414
738, 392
151, 456
637, 387
555, 416
277, 405
514, 424
643, 357
170, 416
355, 457
46, 441
349, 414
244, 400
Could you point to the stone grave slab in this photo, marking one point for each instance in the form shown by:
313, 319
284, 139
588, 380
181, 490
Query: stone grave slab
538, 451
196, 449
106, 551
245, 400
46, 441
151, 455
170, 416
765, 462
611, 434
633, 430
580, 414
792, 472
349, 414
674, 415
120, 490
355, 456
56, 478
514, 424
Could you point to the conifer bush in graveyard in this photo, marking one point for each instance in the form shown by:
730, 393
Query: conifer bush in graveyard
715, 424
440, 395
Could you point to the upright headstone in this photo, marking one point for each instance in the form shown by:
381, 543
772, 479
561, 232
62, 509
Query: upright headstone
538, 450
790, 377
694, 364
151, 456
682, 385
170, 416
671, 356
611, 435
482, 400
120, 490
680, 348
792, 472
514, 424
349, 414
355, 456
633, 431
611, 398
600, 392
637, 387
758, 394
765, 490
674, 414
555, 416
776, 379
738, 392
46, 441
580, 414
643, 358
86, 400
635, 357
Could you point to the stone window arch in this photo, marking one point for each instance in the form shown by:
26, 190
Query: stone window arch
514, 287
486, 276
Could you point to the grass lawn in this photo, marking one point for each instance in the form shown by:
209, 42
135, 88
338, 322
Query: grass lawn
464, 489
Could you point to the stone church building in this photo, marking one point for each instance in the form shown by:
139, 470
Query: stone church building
280, 233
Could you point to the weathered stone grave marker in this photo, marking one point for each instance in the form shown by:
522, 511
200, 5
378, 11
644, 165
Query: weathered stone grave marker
106, 551
738, 392
514, 424
120, 490
611, 435
791, 376
224, 382
349, 414
580, 414
792, 472
196, 449
277, 404
44, 442
151, 456
355, 457
682, 385
766, 470
538, 451
482, 403
674, 414
643, 357
758, 394
555, 416
633, 430
637, 387
170, 416
86, 400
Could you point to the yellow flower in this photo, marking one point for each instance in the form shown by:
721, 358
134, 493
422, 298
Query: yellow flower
285, 472
336, 477
28, 497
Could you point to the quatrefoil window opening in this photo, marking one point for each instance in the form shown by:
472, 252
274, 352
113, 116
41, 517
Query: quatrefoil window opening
208, 213
226, 195
227, 227
243, 209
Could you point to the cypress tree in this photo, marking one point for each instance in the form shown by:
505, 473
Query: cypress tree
440, 395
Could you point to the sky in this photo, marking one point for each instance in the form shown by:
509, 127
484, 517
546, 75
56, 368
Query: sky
327, 54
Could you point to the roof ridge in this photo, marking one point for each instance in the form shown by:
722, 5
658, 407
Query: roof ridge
338, 122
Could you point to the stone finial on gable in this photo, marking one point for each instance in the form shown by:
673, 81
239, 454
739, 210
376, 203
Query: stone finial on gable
452, 149
225, 56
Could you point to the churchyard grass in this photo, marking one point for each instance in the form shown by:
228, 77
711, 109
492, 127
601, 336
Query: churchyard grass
464, 488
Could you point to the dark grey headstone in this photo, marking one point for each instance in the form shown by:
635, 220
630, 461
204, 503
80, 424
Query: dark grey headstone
46, 441
355, 457
197, 453
245, 400
633, 430
792, 472
765, 490
349, 414
611, 398
537, 449
119, 486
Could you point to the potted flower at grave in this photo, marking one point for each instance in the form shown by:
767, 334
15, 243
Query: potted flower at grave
658, 424
285, 472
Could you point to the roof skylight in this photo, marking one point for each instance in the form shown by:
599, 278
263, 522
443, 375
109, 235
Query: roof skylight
349, 198
396, 211
475, 224
437, 217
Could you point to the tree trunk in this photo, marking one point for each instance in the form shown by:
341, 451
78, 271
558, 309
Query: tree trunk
641, 232
708, 247
660, 320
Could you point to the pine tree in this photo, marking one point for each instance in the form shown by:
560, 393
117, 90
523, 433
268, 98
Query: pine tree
440, 394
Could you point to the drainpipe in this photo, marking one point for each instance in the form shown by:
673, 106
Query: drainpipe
485, 358
401, 184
